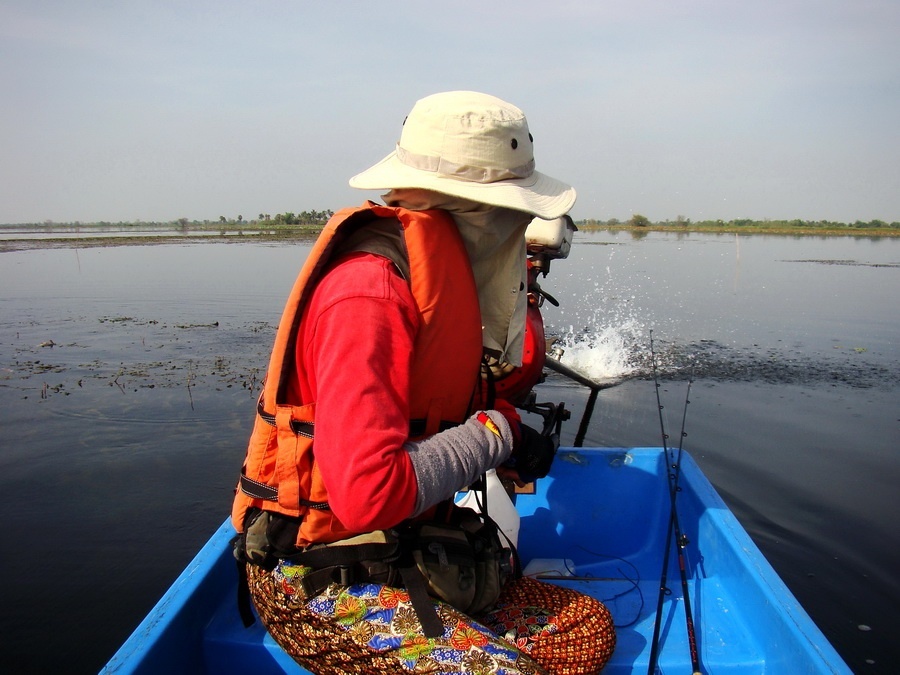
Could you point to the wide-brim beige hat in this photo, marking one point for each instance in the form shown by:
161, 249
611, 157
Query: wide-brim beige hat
474, 146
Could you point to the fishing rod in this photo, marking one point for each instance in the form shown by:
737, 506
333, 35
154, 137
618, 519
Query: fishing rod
673, 473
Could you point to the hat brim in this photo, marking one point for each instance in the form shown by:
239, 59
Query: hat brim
538, 194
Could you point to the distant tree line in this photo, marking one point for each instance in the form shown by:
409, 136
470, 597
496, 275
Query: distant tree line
304, 218
314, 218
638, 220
289, 218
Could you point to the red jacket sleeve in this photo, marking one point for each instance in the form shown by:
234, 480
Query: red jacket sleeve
357, 340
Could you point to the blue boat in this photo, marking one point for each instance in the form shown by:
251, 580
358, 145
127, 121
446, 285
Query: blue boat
599, 524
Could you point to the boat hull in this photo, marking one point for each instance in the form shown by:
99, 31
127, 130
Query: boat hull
601, 520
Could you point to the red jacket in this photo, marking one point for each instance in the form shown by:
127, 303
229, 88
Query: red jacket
360, 358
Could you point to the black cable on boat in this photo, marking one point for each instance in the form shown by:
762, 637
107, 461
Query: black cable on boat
673, 473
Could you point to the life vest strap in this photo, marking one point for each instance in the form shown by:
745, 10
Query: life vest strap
417, 427
297, 426
256, 490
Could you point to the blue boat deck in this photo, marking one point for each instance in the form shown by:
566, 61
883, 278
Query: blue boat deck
607, 512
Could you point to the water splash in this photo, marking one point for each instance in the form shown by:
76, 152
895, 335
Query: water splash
610, 339
605, 337
605, 352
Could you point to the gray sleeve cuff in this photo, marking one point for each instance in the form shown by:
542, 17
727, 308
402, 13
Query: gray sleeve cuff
451, 460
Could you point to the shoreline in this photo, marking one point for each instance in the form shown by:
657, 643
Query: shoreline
749, 229
306, 234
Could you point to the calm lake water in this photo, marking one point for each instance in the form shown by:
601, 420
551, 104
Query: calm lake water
128, 378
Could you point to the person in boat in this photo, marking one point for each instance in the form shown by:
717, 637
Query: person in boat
377, 409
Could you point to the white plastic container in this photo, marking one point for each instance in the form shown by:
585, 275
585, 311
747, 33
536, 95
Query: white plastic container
499, 506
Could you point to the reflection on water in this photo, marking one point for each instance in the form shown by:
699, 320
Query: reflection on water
128, 379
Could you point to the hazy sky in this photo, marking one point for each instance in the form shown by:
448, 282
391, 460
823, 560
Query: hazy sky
159, 110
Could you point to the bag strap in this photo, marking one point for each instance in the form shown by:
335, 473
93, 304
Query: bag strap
339, 563
414, 581
245, 607
344, 555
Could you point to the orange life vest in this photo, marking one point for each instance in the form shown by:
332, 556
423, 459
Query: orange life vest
279, 473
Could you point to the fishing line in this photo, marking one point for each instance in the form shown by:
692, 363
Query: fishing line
635, 584
673, 473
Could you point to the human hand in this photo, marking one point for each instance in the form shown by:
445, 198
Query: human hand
532, 454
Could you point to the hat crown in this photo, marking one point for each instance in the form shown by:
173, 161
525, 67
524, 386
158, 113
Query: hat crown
473, 146
469, 136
